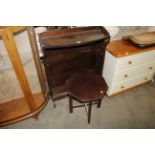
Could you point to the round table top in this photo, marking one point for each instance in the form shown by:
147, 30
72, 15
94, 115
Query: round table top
87, 86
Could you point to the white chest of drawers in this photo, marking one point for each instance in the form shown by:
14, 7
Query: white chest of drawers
126, 67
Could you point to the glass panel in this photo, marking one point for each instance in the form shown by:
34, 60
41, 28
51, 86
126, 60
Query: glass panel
24, 48
9, 86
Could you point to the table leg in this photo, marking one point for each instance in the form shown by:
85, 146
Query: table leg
99, 104
70, 104
89, 111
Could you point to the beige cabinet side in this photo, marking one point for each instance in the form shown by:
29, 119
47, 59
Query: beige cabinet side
109, 69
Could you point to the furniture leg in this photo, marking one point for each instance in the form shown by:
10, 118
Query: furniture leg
54, 105
99, 104
36, 117
70, 104
89, 111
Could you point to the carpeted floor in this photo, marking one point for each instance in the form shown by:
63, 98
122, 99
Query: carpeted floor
133, 109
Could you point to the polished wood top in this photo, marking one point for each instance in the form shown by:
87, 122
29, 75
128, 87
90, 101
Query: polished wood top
122, 48
87, 86
73, 37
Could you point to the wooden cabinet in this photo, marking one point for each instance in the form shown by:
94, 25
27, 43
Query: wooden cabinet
70, 51
127, 67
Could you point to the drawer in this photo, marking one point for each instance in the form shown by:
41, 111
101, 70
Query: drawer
130, 83
138, 59
133, 72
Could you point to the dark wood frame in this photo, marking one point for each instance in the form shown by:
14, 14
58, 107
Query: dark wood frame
90, 103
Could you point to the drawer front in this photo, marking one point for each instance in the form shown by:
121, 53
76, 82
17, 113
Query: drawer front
133, 72
130, 83
138, 59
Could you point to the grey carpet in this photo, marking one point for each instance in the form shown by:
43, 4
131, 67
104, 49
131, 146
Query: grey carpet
133, 109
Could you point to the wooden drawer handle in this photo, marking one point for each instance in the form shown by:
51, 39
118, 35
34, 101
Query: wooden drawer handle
125, 75
150, 68
145, 78
122, 87
129, 62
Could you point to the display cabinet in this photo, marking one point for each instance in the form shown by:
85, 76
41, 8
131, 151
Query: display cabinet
23, 91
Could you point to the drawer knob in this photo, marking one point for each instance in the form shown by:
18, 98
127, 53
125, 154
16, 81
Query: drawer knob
146, 78
129, 62
125, 75
150, 68
122, 87
79, 41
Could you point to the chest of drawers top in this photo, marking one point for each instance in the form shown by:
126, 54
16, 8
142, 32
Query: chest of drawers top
121, 48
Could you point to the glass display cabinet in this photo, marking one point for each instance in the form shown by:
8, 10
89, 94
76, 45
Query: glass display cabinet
23, 91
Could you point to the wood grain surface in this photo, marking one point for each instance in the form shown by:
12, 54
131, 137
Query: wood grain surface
122, 48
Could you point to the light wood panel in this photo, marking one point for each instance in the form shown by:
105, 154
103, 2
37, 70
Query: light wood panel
18, 67
17, 110
36, 57
12, 29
